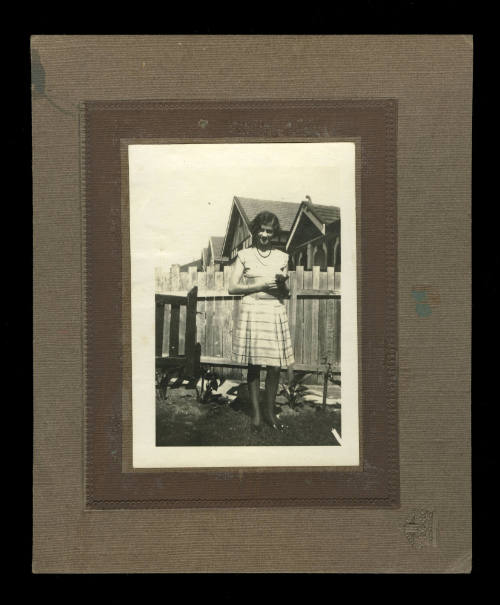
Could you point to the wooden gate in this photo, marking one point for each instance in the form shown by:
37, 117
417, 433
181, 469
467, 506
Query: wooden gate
313, 313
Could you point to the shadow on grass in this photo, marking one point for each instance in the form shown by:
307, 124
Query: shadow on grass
183, 421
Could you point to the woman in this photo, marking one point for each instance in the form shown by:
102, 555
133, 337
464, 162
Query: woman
262, 336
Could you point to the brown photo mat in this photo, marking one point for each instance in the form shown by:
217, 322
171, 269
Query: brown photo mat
105, 125
429, 79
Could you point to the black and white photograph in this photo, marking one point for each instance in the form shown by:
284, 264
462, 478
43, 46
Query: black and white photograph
244, 307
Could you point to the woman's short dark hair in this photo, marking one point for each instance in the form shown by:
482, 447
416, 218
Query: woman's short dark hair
264, 218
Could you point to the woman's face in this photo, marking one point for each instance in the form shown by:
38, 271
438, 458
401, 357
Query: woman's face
264, 234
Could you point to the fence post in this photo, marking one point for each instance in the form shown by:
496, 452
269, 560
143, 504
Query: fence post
160, 317
190, 342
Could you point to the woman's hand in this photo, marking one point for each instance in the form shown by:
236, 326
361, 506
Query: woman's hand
261, 285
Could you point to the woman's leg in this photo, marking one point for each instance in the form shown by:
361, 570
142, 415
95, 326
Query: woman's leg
272, 382
253, 380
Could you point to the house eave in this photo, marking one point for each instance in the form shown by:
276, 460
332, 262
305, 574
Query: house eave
304, 208
246, 222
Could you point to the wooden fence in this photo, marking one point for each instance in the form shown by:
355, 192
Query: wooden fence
313, 314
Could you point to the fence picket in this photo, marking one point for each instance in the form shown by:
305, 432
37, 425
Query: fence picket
185, 285
193, 276
337, 351
322, 321
227, 325
175, 277
299, 321
218, 317
330, 318
201, 319
308, 321
315, 318
337, 281
292, 307
210, 312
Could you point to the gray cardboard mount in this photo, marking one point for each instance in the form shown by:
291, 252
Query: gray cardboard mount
431, 79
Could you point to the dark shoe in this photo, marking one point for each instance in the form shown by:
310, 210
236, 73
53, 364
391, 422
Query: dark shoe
255, 428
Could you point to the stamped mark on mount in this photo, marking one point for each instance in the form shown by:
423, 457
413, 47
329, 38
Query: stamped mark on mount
421, 529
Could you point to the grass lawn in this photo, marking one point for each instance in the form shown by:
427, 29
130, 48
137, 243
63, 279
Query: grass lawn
183, 421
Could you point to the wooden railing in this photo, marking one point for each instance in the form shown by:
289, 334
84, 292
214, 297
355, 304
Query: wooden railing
175, 358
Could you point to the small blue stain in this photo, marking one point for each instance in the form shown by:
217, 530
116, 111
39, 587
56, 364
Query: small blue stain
419, 296
422, 308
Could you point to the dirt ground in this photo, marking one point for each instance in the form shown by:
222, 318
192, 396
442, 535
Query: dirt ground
182, 420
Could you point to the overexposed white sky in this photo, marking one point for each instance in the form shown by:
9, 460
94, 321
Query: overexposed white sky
182, 194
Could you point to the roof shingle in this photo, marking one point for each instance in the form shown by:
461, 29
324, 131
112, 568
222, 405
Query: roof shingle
285, 211
217, 243
326, 214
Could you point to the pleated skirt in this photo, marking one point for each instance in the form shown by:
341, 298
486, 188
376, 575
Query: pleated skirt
262, 335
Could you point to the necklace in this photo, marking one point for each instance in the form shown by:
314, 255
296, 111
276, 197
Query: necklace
264, 255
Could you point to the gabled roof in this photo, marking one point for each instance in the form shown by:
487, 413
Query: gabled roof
322, 216
250, 207
326, 214
217, 242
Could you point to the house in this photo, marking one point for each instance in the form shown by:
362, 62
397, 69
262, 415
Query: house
194, 263
314, 237
242, 213
204, 259
210, 256
214, 256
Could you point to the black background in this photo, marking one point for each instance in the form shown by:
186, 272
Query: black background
369, 17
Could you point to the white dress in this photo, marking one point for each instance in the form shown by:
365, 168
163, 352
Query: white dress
261, 335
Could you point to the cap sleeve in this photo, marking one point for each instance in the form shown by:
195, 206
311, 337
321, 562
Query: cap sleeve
284, 261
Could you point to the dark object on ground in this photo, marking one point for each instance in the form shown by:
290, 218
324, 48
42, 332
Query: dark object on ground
210, 382
295, 391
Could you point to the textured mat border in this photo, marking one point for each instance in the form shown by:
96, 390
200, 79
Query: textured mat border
104, 125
